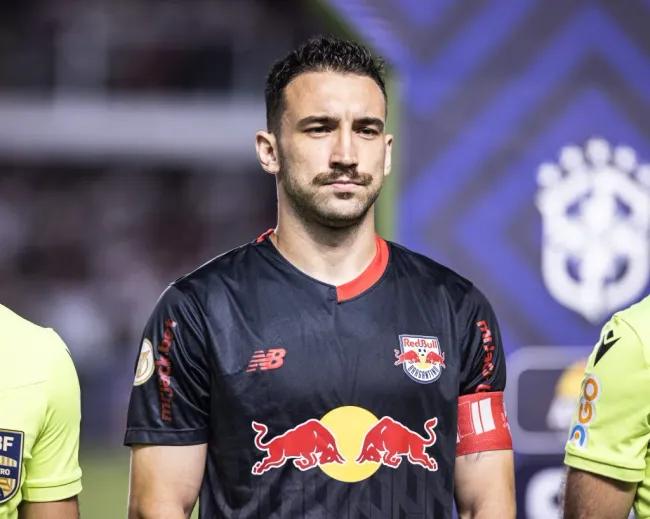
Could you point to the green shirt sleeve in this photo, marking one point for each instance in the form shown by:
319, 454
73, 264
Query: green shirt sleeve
53, 472
610, 430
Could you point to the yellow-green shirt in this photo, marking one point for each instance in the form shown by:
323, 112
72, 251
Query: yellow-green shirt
40, 414
611, 425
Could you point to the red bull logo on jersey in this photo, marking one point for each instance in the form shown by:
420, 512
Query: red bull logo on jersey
348, 444
389, 441
308, 444
11, 462
421, 357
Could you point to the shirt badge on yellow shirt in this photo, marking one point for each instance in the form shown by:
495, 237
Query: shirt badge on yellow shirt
591, 390
11, 462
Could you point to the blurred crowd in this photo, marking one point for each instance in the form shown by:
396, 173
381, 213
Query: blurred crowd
220, 47
89, 250
88, 243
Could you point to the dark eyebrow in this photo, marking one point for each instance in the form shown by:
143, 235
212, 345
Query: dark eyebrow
326, 120
318, 119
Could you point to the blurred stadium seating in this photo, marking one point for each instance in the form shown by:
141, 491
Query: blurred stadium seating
126, 160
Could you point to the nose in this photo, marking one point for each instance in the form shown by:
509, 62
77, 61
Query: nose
344, 152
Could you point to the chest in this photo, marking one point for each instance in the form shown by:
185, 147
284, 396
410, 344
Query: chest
388, 355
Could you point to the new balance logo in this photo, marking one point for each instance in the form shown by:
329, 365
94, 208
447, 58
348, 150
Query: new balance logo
264, 361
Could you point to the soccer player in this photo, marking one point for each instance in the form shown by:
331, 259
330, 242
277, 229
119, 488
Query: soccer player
607, 452
320, 371
40, 415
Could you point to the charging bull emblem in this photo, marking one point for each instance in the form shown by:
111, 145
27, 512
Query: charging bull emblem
388, 440
309, 444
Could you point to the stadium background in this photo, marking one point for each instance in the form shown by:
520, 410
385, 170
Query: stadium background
127, 159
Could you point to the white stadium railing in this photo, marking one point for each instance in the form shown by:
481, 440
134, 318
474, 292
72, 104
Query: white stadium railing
148, 128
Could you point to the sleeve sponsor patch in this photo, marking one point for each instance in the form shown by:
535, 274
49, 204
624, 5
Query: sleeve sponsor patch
586, 414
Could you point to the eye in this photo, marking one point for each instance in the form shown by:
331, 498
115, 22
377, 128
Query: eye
370, 132
318, 129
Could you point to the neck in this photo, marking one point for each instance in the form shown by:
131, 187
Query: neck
333, 256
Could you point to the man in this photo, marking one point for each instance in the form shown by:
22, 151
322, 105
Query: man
40, 415
321, 371
607, 452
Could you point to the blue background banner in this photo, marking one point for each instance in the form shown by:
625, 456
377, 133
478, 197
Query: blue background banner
490, 92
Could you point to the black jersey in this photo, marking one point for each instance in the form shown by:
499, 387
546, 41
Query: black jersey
319, 401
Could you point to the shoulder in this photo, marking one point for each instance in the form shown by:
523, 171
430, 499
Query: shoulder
233, 265
228, 267
426, 269
206, 289
430, 274
630, 326
18, 327
637, 318
32, 349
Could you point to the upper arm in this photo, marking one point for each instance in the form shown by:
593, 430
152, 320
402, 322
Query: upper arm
610, 430
165, 478
53, 472
482, 420
590, 496
484, 443
65, 509
484, 483
169, 405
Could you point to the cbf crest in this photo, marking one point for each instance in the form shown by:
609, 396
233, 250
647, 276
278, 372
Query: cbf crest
595, 209
11, 462
421, 357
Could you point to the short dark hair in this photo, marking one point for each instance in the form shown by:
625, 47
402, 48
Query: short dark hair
319, 53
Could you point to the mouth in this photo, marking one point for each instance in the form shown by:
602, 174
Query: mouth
344, 185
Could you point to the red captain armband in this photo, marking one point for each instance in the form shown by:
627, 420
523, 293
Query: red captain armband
482, 424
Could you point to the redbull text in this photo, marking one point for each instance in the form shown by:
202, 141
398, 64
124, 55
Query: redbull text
418, 342
388, 441
308, 444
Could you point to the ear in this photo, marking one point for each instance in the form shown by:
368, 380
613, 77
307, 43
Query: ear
388, 161
267, 152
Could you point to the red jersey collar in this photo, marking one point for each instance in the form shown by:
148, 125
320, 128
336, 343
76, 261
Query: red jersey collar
366, 279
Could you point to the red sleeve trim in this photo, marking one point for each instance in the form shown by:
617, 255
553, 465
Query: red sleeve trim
482, 424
